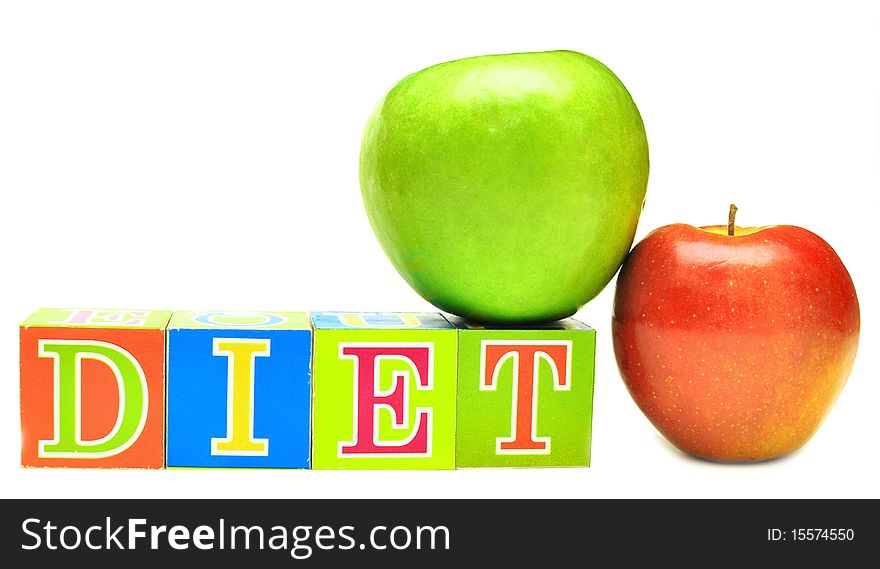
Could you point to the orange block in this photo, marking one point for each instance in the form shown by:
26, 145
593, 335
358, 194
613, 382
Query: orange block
93, 388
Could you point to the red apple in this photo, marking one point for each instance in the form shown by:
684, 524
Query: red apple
735, 342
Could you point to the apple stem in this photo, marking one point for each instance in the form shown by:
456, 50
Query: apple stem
731, 218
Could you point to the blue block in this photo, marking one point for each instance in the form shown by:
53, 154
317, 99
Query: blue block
239, 392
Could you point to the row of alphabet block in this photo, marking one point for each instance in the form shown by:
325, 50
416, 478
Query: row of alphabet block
323, 390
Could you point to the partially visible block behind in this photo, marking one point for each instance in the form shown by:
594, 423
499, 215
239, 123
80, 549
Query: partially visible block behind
384, 391
239, 389
93, 388
525, 394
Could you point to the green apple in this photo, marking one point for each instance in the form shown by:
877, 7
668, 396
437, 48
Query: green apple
506, 188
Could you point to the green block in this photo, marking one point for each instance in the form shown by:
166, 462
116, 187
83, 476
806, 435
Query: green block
383, 391
525, 395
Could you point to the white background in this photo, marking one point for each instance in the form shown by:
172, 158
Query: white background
204, 155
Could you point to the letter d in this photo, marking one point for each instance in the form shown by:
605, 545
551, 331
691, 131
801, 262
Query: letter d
133, 400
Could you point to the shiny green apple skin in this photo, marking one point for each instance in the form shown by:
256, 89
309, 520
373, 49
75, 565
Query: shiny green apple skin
506, 188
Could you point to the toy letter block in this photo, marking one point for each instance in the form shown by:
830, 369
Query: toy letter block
93, 388
238, 389
525, 395
384, 391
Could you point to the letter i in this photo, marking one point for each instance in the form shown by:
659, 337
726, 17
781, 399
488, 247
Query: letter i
241, 354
